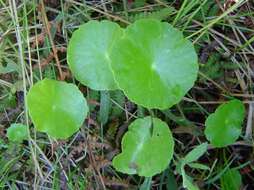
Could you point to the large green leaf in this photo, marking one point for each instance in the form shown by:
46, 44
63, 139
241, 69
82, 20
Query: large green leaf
224, 126
88, 54
17, 132
147, 148
56, 107
154, 64
231, 180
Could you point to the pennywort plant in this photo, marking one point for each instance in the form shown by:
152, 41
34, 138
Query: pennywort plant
150, 61
155, 66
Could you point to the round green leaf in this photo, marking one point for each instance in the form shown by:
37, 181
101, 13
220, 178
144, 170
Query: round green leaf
17, 132
224, 126
88, 54
154, 64
147, 148
56, 107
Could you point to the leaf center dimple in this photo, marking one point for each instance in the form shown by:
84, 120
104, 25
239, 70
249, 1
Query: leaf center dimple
153, 66
53, 107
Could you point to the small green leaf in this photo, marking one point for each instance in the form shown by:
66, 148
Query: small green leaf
147, 148
57, 108
224, 126
17, 132
88, 54
231, 180
198, 166
154, 64
196, 153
